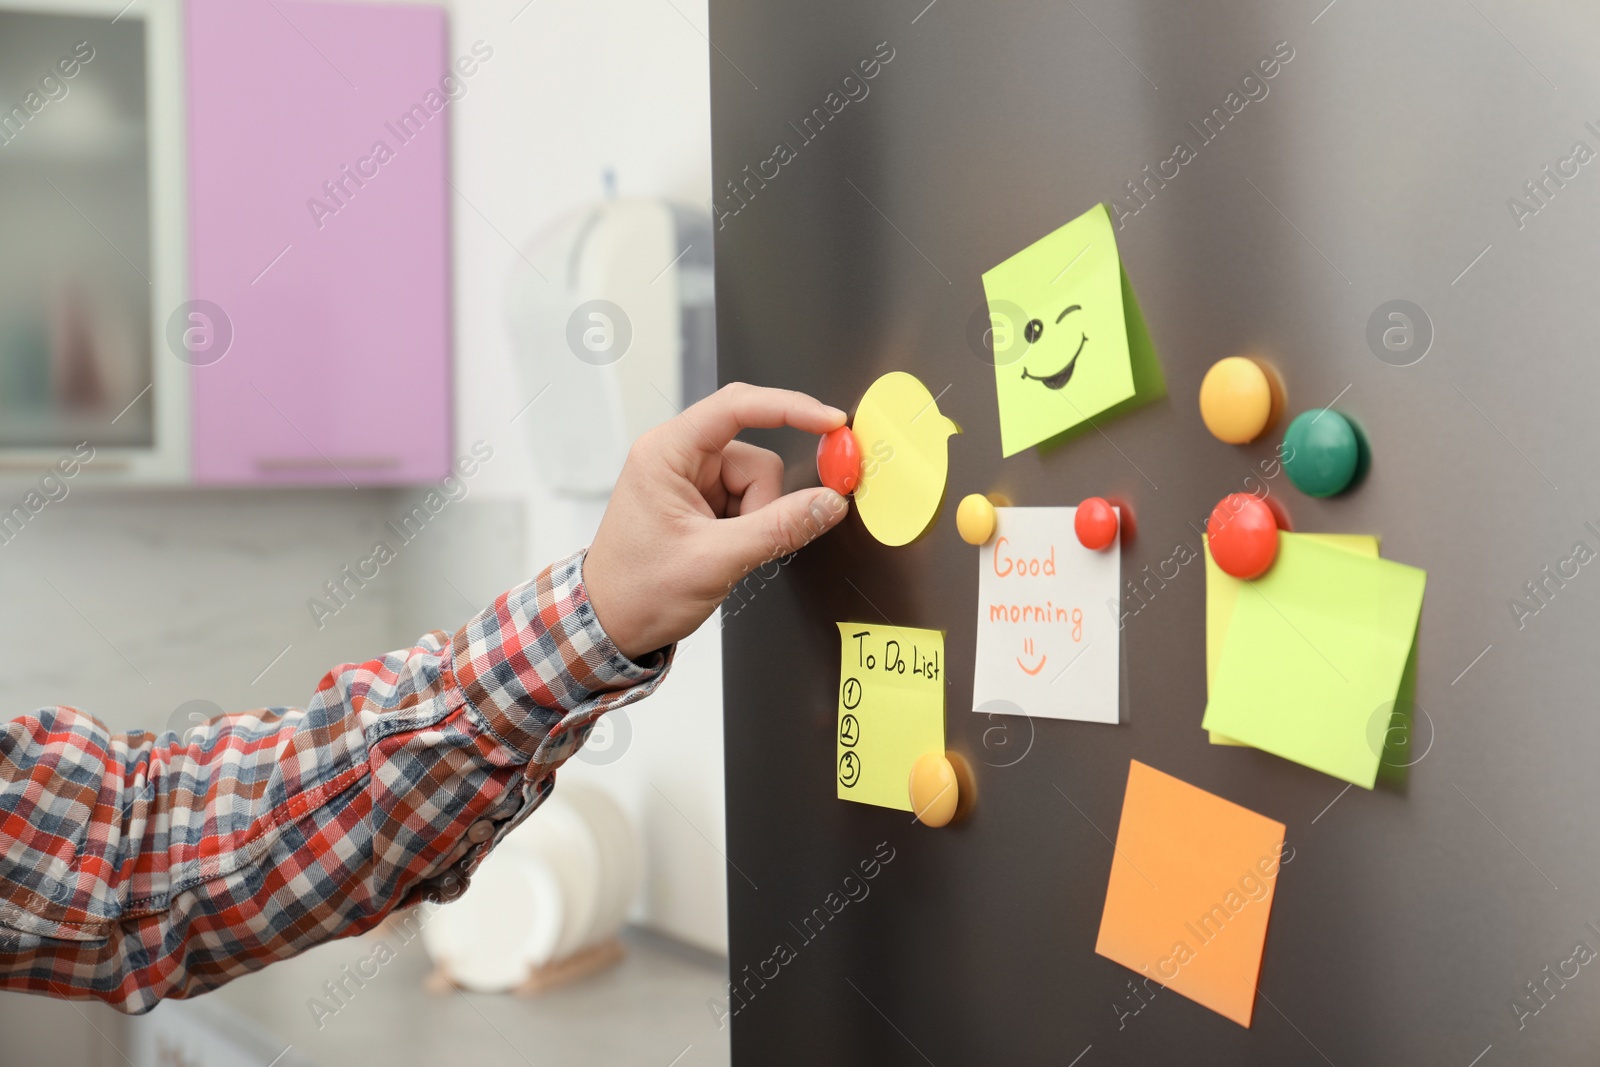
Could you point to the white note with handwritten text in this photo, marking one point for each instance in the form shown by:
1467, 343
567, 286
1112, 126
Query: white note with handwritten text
1048, 639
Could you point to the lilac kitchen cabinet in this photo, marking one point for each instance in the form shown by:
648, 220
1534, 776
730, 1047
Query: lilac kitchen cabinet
319, 216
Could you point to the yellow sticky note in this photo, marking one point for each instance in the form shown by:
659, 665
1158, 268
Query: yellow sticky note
891, 709
904, 457
1222, 591
1068, 340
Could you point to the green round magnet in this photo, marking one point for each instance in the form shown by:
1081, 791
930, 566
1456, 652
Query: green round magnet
1321, 452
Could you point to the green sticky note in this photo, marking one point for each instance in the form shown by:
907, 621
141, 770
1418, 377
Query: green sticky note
891, 710
1314, 655
1222, 592
1068, 340
1403, 743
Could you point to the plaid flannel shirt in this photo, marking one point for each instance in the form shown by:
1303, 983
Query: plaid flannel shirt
140, 866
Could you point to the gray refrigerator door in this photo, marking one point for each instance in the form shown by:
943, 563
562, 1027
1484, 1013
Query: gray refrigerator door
1425, 152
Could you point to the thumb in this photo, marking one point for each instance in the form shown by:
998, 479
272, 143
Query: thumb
786, 525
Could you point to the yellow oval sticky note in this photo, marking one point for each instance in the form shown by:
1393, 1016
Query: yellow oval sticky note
904, 457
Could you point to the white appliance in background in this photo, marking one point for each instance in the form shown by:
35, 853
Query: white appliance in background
614, 331
559, 884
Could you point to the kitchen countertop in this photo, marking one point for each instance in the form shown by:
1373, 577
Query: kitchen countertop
649, 1008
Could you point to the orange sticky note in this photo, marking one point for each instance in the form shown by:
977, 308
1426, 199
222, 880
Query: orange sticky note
1191, 888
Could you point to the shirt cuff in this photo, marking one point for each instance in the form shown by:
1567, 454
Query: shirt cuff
537, 667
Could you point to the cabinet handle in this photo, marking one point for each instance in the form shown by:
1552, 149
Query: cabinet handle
289, 464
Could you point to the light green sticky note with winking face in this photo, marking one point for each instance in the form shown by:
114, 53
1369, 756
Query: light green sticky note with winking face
1067, 337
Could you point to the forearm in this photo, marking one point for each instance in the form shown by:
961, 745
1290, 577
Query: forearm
138, 867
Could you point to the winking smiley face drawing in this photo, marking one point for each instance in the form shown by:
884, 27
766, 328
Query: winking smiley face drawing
1034, 331
1067, 340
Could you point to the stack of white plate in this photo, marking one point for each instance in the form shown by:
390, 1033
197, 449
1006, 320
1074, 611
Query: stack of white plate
559, 883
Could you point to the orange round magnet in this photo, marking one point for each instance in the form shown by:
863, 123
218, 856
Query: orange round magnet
1243, 535
839, 460
1095, 523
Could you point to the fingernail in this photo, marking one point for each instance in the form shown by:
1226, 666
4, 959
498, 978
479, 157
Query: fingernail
833, 411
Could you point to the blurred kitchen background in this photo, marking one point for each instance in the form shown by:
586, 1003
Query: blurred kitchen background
261, 346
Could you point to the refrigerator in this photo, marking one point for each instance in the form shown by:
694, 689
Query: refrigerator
1419, 159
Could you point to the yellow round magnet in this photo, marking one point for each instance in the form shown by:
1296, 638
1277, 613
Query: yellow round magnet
934, 790
975, 519
1236, 400
904, 457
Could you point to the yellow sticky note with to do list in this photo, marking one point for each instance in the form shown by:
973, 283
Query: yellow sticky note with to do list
891, 710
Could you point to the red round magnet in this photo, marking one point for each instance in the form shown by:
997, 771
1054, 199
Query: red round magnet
839, 460
1243, 535
1095, 523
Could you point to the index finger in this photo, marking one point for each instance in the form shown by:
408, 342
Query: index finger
737, 406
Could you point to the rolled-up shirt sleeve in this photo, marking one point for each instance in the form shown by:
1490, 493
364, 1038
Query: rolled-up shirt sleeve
135, 867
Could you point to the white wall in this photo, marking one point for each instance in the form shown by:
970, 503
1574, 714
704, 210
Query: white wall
127, 604
575, 88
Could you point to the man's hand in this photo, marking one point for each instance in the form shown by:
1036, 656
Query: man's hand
694, 511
